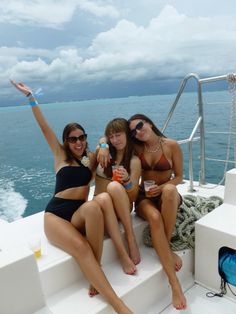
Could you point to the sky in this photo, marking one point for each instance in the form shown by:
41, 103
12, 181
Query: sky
79, 49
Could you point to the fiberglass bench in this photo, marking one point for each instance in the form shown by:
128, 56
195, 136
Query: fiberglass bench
213, 231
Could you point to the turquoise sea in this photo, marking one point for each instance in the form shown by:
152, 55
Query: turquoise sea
26, 163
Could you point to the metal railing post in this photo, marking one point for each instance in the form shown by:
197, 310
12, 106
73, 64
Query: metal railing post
199, 124
202, 135
190, 147
190, 151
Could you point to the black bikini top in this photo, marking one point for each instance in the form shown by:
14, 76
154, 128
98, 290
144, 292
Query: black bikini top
72, 176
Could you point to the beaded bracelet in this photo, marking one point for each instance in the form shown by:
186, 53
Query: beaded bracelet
29, 95
127, 180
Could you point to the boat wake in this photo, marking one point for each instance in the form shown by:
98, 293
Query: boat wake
12, 203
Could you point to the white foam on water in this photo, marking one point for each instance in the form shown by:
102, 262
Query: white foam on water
12, 203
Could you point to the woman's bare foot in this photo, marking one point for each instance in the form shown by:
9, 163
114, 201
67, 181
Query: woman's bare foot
92, 291
178, 299
177, 261
134, 252
128, 265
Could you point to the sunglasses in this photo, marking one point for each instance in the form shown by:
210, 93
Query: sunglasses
74, 139
138, 127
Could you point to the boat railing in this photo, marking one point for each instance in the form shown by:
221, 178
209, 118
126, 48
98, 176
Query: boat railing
199, 125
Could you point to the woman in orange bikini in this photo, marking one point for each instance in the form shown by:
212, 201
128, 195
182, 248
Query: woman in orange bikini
161, 160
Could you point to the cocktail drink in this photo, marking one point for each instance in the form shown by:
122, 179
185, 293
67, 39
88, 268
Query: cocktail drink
148, 184
37, 253
115, 173
35, 246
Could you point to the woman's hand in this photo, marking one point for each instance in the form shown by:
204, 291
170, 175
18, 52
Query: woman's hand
22, 88
154, 190
122, 173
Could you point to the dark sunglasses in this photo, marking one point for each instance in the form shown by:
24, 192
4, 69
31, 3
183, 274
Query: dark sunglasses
138, 127
74, 139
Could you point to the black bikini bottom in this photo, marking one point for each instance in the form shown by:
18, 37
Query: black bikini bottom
62, 207
155, 199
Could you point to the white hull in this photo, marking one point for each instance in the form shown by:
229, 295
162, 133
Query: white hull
54, 284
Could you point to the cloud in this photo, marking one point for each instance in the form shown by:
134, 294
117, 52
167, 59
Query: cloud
99, 10
13, 60
47, 13
50, 13
171, 45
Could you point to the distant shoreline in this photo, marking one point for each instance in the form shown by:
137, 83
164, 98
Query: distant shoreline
20, 102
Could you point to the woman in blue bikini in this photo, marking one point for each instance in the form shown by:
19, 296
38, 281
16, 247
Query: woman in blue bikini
161, 161
70, 221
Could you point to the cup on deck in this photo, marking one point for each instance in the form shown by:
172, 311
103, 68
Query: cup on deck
147, 185
115, 174
35, 246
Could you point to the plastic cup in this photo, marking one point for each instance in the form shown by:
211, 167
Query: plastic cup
115, 174
35, 246
147, 185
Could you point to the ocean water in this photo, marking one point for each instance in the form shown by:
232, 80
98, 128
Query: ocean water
26, 164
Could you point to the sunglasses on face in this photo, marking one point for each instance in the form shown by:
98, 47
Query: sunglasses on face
74, 139
138, 127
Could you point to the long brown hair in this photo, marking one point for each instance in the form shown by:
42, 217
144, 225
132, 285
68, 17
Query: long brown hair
140, 116
66, 132
114, 126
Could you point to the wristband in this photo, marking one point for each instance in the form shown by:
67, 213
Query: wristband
33, 103
104, 145
128, 186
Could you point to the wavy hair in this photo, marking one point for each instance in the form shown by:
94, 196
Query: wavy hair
66, 132
140, 116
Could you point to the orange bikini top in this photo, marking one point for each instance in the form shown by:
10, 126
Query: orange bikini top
162, 164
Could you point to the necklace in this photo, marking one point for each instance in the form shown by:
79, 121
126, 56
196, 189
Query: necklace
154, 150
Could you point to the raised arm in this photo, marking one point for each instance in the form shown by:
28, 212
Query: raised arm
42, 122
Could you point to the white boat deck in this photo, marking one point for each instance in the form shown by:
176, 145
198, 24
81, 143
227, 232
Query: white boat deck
206, 190
198, 303
61, 287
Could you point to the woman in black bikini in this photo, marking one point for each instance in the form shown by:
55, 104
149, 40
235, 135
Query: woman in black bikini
70, 222
161, 160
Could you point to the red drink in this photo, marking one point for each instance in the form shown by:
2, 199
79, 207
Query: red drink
115, 174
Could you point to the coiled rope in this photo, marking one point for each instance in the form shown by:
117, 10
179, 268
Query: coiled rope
192, 208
